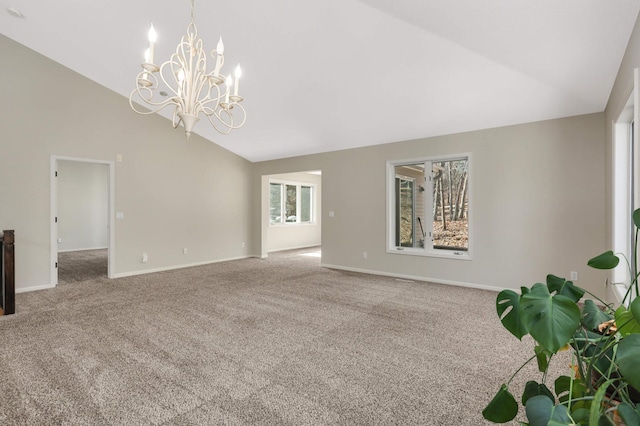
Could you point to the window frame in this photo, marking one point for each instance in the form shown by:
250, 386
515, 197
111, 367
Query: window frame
283, 193
428, 250
626, 197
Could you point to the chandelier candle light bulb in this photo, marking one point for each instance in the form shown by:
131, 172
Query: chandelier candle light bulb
219, 58
229, 84
237, 86
145, 76
152, 45
195, 90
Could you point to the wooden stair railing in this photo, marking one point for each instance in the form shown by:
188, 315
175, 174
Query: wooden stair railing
7, 273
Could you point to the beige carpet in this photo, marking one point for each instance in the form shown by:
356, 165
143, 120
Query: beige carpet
84, 265
280, 341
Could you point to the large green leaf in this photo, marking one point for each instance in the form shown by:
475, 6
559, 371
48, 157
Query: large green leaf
628, 357
636, 218
532, 389
551, 320
564, 384
581, 416
542, 412
507, 304
628, 414
593, 316
635, 308
606, 260
626, 321
502, 408
604, 420
564, 287
542, 358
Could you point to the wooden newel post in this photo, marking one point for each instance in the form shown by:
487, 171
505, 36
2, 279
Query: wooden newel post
9, 273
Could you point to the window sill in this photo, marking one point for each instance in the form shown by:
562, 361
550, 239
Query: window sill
278, 225
444, 254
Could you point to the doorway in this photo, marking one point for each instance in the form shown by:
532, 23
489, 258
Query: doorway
82, 237
291, 208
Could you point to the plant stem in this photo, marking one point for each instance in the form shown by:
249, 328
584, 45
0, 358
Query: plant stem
521, 367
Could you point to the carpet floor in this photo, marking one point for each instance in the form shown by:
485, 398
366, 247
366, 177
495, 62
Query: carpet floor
84, 265
280, 341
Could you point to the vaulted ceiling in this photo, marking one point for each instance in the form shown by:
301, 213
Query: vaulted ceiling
335, 74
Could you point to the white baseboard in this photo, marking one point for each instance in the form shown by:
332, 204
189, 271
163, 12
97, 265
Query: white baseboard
293, 248
83, 249
146, 271
172, 268
34, 288
413, 277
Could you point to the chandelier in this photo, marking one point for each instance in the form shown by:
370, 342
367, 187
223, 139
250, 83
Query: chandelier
186, 85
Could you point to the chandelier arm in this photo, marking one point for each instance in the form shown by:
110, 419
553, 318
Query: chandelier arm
148, 111
177, 99
244, 116
200, 78
203, 78
175, 120
209, 99
225, 130
145, 94
229, 121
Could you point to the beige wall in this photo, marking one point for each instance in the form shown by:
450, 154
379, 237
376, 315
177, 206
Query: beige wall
537, 204
174, 193
83, 205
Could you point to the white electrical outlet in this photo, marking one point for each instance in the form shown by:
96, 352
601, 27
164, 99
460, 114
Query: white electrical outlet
574, 276
184, 250
145, 257
364, 254
242, 245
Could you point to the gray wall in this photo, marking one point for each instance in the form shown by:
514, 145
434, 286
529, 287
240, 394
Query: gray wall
83, 205
537, 204
174, 193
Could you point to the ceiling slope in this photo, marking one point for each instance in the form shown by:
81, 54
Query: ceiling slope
338, 74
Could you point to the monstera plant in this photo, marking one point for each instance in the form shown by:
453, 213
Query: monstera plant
601, 386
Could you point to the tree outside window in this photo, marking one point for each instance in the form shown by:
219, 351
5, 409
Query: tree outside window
428, 205
290, 203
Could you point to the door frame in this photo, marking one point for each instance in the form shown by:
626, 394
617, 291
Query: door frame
111, 250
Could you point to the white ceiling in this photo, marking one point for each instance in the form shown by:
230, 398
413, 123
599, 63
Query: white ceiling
326, 75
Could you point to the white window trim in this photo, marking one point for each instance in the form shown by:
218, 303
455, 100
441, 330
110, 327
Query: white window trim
298, 186
391, 211
626, 187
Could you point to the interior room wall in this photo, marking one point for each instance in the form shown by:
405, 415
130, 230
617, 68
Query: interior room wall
291, 236
537, 204
173, 193
83, 205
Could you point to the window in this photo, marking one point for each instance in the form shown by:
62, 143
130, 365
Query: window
428, 207
290, 202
